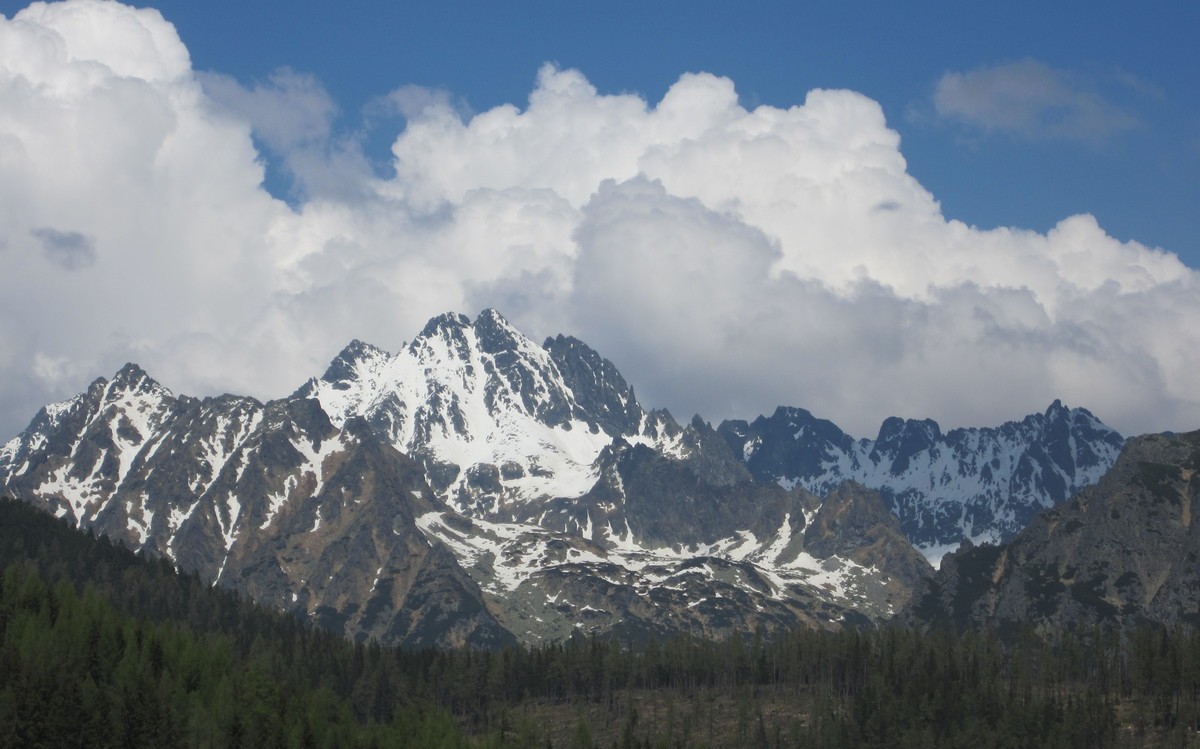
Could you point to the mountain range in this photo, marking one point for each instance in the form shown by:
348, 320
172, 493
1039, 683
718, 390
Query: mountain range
475, 487
977, 484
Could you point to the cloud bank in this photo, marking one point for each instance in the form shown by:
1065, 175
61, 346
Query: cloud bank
727, 260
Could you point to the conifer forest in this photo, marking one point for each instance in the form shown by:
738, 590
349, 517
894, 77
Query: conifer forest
100, 647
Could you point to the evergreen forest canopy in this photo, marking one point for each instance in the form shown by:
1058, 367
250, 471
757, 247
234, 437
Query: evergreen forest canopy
100, 647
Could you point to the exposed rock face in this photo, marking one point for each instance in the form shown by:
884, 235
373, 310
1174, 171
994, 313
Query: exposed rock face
1125, 551
854, 523
977, 484
601, 393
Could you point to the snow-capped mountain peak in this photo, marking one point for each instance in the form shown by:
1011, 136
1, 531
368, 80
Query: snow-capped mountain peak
481, 405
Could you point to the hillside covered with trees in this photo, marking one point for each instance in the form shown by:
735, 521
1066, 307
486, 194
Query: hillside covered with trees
100, 647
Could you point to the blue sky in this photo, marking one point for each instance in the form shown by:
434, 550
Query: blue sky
1141, 182
959, 211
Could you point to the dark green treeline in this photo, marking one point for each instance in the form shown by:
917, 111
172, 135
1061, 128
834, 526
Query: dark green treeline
99, 647
102, 648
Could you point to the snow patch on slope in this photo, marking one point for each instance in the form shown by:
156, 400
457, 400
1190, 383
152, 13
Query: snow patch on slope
502, 556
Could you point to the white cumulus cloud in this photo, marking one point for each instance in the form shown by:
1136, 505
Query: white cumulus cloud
727, 259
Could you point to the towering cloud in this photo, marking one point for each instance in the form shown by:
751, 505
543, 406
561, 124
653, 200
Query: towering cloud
727, 259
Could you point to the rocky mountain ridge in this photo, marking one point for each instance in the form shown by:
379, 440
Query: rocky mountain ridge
268, 498
1123, 552
981, 484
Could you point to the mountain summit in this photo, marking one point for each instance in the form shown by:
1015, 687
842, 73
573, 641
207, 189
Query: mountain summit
488, 412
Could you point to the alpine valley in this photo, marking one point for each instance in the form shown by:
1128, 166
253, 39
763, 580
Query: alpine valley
476, 488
